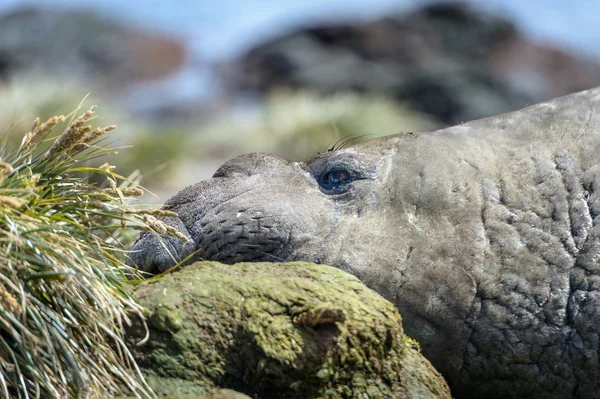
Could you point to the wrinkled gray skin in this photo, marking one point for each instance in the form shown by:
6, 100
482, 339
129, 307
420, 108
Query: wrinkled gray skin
486, 235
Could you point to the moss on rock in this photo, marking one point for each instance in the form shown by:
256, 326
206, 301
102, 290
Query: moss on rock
278, 330
174, 388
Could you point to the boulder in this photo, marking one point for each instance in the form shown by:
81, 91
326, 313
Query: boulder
448, 60
71, 43
272, 330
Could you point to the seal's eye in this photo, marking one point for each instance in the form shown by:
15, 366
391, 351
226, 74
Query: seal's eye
335, 181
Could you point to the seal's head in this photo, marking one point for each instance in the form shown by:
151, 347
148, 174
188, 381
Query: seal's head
330, 209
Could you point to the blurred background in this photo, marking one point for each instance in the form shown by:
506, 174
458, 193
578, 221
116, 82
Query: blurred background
194, 83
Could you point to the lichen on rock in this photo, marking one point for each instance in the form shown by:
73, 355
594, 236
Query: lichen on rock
278, 330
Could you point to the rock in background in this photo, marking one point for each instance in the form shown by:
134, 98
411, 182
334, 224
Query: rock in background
271, 330
78, 44
447, 60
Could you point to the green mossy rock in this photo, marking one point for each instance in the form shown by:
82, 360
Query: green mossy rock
293, 330
178, 389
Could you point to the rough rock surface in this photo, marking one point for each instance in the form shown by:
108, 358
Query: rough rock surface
448, 60
270, 330
485, 235
170, 388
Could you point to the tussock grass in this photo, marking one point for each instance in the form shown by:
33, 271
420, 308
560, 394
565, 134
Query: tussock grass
65, 293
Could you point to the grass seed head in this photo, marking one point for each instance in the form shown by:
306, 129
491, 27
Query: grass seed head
5, 170
72, 136
38, 132
9, 302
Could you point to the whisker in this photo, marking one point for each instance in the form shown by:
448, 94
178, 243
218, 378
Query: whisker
237, 195
264, 253
353, 138
333, 147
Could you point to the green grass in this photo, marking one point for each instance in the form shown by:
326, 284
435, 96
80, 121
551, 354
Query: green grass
65, 293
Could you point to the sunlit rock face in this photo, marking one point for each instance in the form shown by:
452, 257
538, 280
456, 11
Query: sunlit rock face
278, 330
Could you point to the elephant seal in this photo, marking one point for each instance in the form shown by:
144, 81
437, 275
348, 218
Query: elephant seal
485, 235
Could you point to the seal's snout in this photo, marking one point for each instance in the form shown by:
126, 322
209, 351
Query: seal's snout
153, 253
222, 219
150, 254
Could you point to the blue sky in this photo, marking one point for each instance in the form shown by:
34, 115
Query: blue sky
222, 28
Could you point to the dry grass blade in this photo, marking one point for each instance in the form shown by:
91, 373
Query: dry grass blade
65, 293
